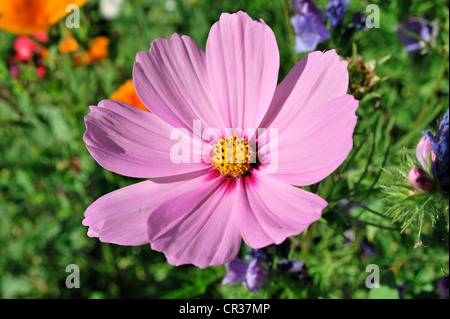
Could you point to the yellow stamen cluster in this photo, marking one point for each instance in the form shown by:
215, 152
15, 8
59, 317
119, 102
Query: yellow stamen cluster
232, 156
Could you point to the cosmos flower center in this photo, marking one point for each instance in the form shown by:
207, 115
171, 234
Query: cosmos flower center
232, 156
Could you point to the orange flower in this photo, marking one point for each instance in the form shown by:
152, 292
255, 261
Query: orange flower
99, 48
68, 45
83, 58
127, 94
45, 54
27, 17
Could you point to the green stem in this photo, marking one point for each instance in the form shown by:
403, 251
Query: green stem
379, 226
382, 164
347, 217
373, 224
287, 18
109, 259
350, 194
327, 188
369, 161
370, 210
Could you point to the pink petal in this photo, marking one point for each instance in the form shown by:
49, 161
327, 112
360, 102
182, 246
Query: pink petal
273, 211
242, 60
315, 80
171, 80
423, 151
135, 143
198, 226
121, 217
311, 149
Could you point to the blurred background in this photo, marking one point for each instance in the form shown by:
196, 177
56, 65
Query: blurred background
48, 178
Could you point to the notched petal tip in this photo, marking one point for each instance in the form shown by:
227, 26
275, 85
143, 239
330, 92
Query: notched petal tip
242, 61
239, 14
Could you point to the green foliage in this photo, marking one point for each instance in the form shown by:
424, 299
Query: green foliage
387, 289
48, 178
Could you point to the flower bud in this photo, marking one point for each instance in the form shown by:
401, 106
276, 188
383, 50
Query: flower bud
423, 151
419, 179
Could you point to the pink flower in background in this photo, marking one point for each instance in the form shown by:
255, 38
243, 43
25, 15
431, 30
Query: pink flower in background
199, 211
26, 48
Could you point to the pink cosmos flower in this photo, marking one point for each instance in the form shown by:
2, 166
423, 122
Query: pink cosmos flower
198, 211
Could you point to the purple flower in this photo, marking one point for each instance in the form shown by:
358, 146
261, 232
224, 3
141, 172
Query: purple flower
439, 143
359, 21
236, 270
308, 26
306, 6
260, 254
252, 275
443, 288
291, 266
256, 276
336, 11
413, 33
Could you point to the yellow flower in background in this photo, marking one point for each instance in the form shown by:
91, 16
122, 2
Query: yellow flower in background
33, 16
127, 94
